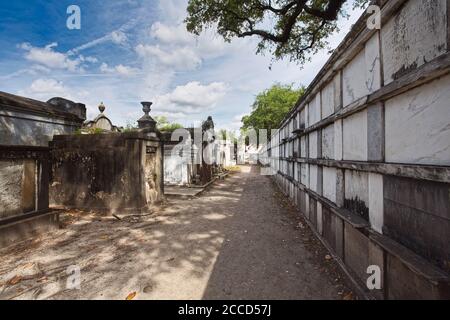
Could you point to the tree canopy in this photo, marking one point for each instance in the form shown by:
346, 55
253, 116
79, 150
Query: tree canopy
164, 125
294, 29
271, 106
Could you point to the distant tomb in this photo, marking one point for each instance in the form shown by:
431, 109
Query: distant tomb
101, 123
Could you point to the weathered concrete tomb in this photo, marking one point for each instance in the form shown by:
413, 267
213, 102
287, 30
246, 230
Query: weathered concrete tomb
51, 158
26, 127
365, 154
193, 156
108, 171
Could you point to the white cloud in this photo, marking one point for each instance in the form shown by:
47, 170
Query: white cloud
179, 59
206, 45
178, 50
192, 97
235, 124
88, 59
119, 69
47, 86
119, 37
163, 49
50, 58
170, 34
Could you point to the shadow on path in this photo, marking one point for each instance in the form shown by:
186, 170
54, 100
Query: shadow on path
238, 240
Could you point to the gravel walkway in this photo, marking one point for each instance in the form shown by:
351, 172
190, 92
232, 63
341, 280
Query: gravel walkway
239, 240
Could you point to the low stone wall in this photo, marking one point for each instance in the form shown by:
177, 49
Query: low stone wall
114, 172
365, 154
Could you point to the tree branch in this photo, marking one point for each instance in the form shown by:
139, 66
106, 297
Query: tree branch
330, 13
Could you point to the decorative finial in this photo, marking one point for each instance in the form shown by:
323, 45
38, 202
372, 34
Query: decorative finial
146, 107
146, 121
101, 107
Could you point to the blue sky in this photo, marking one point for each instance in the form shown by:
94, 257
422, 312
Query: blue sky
129, 51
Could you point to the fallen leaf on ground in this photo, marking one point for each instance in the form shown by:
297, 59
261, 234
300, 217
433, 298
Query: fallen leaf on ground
15, 280
131, 296
28, 266
348, 296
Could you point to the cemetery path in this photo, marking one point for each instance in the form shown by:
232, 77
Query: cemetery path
238, 240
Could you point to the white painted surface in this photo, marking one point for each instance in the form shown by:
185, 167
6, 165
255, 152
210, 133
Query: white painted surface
362, 75
319, 217
373, 69
328, 142
296, 173
313, 143
303, 152
337, 91
416, 35
354, 79
328, 100
305, 174
313, 176
176, 168
314, 111
303, 118
338, 151
357, 185
329, 183
355, 137
418, 125
376, 202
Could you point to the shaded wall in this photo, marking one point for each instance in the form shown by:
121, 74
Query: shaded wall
106, 171
365, 154
30, 122
26, 126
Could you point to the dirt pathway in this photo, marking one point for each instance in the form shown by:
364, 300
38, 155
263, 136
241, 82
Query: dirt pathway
238, 240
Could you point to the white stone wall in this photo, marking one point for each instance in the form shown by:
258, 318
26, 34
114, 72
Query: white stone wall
357, 186
362, 75
313, 144
355, 137
328, 100
305, 174
376, 204
313, 178
329, 183
417, 35
314, 110
418, 125
369, 133
328, 142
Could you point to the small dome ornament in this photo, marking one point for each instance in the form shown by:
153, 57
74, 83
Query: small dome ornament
101, 107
